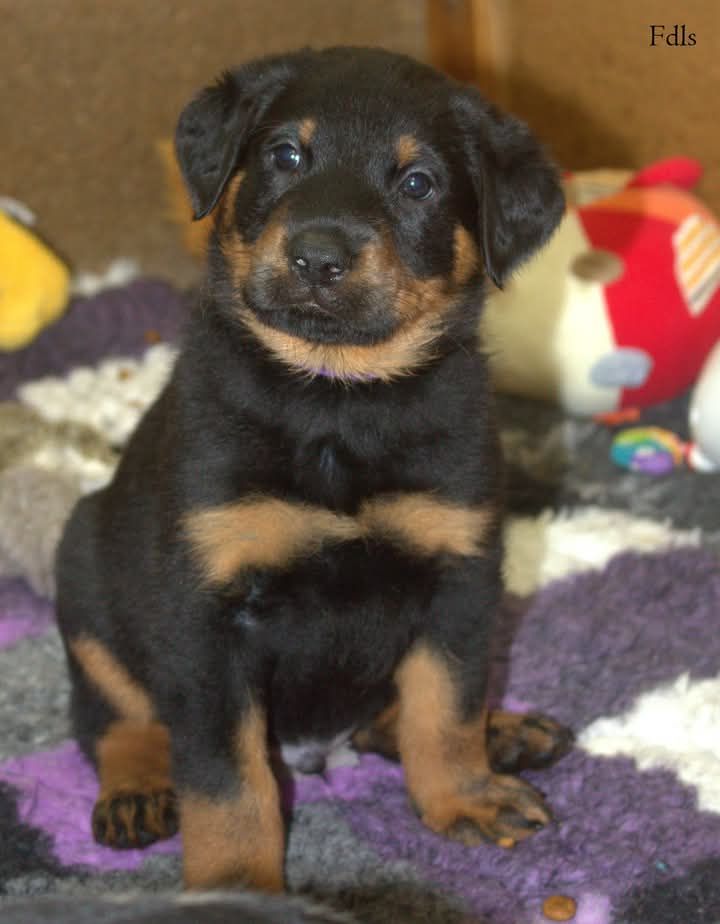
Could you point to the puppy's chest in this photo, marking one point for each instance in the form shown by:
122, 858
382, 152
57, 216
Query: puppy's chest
327, 473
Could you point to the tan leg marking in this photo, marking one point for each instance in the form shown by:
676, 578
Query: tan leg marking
261, 532
446, 761
117, 687
525, 741
239, 839
515, 741
429, 526
380, 736
136, 804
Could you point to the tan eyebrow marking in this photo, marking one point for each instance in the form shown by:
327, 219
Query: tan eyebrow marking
406, 150
306, 130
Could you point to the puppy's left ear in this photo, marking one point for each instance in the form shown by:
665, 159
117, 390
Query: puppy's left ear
215, 126
520, 199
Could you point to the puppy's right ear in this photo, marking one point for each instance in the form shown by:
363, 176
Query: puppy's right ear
214, 127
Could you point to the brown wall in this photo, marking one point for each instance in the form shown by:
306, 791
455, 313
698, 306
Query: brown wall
88, 86
584, 74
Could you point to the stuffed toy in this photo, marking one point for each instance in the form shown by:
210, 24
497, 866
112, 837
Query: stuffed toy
44, 469
622, 307
704, 449
34, 283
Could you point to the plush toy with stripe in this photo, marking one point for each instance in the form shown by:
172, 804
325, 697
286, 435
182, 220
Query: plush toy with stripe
623, 305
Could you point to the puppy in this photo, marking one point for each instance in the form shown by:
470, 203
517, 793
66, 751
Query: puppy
302, 542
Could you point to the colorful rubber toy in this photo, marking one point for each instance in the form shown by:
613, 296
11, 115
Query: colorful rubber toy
622, 307
651, 450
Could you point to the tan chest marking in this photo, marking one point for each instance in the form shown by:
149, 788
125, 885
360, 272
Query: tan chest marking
267, 532
261, 532
427, 525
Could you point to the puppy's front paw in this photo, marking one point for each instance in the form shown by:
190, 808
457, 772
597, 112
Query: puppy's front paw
135, 819
525, 741
500, 809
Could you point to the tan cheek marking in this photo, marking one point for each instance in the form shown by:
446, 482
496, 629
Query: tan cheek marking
261, 533
406, 150
417, 298
380, 267
419, 304
306, 130
466, 256
237, 839
113, 681
268, 250
376, 265
429, 526
438, 750
270, 246
238, 255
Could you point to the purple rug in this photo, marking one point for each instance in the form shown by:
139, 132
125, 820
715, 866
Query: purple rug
637, 838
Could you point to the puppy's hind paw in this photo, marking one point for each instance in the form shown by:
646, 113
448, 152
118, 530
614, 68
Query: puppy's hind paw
135, 819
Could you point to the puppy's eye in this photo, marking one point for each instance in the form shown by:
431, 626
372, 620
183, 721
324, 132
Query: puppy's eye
417, 185
286, 157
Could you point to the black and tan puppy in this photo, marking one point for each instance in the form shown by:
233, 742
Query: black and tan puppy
302, 541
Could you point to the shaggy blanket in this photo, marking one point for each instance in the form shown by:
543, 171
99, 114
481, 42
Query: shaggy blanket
610, 624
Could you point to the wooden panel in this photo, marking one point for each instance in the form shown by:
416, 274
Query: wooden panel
590, 83
469, 40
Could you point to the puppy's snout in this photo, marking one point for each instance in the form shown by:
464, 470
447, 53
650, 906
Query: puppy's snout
319, 256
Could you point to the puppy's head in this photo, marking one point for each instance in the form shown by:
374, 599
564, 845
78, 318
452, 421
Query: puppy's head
360, 197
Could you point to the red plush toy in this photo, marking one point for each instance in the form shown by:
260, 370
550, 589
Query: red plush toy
623, 305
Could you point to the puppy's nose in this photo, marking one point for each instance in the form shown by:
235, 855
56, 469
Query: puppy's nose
319, 257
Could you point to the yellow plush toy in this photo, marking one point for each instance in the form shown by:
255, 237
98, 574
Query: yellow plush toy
34, 284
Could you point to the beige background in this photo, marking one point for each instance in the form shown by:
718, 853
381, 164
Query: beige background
584, 73
88, 86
